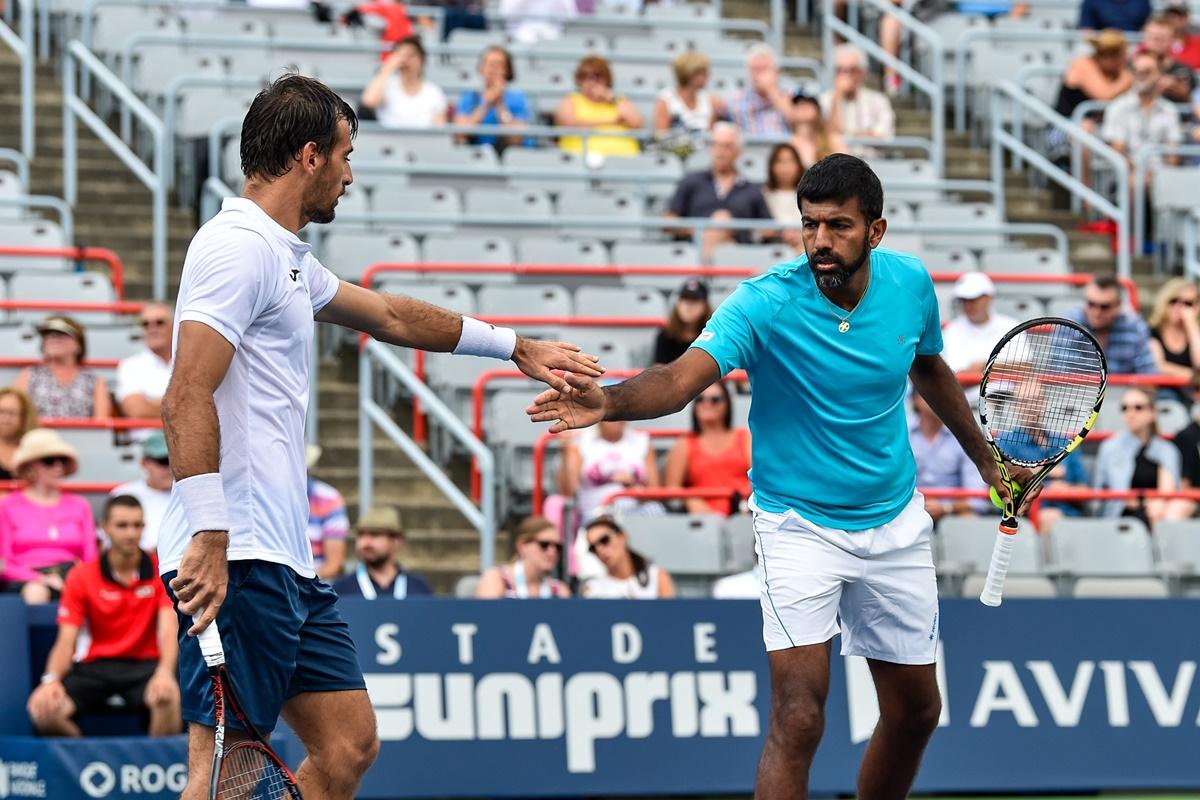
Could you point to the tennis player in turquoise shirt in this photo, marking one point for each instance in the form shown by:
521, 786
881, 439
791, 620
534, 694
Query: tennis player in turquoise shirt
830, 341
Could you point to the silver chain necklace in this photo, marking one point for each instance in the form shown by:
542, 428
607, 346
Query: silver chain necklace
844, 321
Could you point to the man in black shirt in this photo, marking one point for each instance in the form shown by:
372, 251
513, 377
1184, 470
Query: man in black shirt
377, 541
1188, 442
719, 192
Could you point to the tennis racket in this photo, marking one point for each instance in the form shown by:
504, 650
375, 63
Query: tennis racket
246, 770
1039, 397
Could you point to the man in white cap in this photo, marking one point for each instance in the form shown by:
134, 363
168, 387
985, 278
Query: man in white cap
969, 338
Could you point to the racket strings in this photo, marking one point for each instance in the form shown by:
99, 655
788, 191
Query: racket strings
249, 773
1040, 391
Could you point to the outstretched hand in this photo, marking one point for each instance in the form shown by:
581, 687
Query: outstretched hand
537, 360
579, 405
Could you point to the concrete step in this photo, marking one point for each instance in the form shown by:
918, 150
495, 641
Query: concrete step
343, 451
428, 510
343, 396
439, 548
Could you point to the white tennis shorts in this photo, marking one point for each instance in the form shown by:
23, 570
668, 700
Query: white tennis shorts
876, 586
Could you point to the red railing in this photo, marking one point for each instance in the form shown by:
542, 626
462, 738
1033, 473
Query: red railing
115, 424
94, 363
116, 270
579, 270
66, 486
70, 305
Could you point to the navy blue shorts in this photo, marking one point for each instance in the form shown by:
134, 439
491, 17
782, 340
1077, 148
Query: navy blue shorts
283, 636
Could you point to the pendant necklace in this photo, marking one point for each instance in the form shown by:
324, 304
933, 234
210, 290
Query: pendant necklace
844, 321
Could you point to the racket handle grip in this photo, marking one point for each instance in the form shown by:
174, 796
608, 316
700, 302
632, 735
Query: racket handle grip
993, 587
210, 644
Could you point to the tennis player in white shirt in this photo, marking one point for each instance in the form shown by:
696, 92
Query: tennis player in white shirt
233, 545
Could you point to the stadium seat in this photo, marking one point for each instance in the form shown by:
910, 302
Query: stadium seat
964, 546
1101, 547
1019, 308
539, 250
356, 201
200, 105
524, 301
681, 544
1025, 262
85, 287
19, 341
1179, 547
466, 585
898, 212
1014, 586
739, 532
965, 215
113, 342
616, 206
1110, 418
955, 259
471, 249
32, 233
528, 203
893, 171
650, 254
1062, 306
348, 252
100, 460
1173, 416
759, 256
10, 188
558, 168
451, 296
598, 301
1121, 587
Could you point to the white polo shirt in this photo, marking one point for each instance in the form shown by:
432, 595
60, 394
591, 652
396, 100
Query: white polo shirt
258, 285
142, 373
964, 343
154, 506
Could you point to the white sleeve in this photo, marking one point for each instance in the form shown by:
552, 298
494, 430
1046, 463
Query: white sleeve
322, 286
230, 284
125, 375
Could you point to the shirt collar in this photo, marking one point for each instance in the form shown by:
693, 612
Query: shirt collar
247, 206
145, 568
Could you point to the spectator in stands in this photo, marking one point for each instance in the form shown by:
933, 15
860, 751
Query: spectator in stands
1158, 39
719, 193
1175, 332
497, 104
812, 137
531, 21
690, 107
43, 530
628, 575
152, 492
941, 462
1124, 15
604, 459
131, 645
765, 107
593, 105
1123, 335
968, 339
1136, 458
784, 170
1103, 75
715, 455
530, 575
60, 386
688, 317
142, 377
378, 540
850, 108
399, 94
740, 586
17, 418
1142, 116
327, 521
1187, 441
1185, 46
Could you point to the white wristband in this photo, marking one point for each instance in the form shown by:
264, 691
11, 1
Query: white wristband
203, 501
481, 339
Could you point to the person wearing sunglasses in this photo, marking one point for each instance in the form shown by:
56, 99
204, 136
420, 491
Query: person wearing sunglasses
628, 575
17, 418
43, 530
1137, 458
715, 455
593, 105
1123, 335
1175, 332
60, 386
530, 575
142, 377
153, 491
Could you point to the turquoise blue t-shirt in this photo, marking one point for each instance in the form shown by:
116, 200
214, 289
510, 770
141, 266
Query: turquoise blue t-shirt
830, 438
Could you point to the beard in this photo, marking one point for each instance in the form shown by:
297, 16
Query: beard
322, 215
844, 272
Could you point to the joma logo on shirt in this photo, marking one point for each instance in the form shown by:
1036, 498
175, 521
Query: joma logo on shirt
294, 273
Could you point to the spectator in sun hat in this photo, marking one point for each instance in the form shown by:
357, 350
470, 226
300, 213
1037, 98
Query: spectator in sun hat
327, 521
968, 339
154, 490
688, 317
379, 538
43, 530
60, 386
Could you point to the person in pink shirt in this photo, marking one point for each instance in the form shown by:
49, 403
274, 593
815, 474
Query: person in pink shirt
43, 531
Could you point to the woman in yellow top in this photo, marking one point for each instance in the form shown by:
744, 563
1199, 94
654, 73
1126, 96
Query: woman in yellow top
594, 106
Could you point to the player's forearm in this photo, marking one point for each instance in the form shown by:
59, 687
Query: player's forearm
653, 393
414, 323
192, 430
941, 389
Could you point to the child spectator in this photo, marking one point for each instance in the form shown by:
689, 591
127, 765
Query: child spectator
538, 544
628, 575
379, 539
17, 418
131, 649
60, 386
399, 93
43, 530
715, 455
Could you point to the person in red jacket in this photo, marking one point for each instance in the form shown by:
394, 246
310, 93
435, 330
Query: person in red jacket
131, 625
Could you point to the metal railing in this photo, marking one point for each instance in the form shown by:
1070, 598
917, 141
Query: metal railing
931, 85
78, 58
1008, 96
378, 356
1141, 169
18, 160
22, 46
1191, 244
